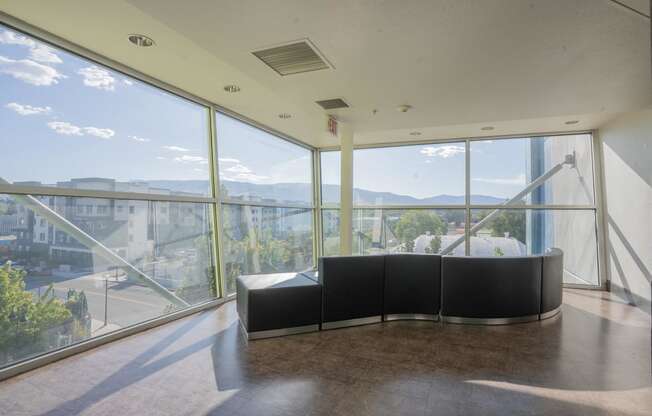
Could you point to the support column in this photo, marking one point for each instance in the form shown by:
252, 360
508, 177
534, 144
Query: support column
346, 189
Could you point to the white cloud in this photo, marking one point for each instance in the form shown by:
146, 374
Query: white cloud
247, 177
139, 139
192, 159
516, 180
37, 51
29, 71
161, 158
228, 160
176, 149
442, 151
239, 168
63, 127
101, 133
97, 77
127, 82
27, 110
69, 129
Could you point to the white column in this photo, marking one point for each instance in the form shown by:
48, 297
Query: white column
346, 189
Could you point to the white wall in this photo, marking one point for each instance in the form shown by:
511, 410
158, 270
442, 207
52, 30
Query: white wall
627, 150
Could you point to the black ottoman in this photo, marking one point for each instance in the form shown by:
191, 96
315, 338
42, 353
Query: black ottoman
271, 305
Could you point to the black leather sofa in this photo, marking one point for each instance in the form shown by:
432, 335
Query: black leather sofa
356, 290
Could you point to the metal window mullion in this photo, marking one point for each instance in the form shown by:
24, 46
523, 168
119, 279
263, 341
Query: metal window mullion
217, 211
318, 230
89, 193
601, 219
467, 197
265, 204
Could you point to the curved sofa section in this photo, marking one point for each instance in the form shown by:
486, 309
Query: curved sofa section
357, 290
491, 290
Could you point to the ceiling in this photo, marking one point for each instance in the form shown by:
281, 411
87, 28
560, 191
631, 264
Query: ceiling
520, 66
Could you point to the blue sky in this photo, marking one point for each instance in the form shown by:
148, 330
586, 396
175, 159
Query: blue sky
65, 117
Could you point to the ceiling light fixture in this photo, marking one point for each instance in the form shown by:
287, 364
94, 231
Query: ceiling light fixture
141, 40
284, 116
487, 128
415, 133
231, 88
403, 108
571, 122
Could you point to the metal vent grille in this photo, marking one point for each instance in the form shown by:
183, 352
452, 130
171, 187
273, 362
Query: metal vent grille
332, 104
293, 58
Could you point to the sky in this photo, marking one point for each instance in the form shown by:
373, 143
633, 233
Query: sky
64, 117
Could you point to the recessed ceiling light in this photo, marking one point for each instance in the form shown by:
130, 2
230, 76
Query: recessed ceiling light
284, 115
415, 133
487, 128
571, 122
231, 88
141, 40
403, 108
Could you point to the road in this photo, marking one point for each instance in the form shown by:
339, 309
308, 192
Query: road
128, 303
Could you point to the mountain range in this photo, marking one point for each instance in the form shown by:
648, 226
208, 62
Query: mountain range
300, 193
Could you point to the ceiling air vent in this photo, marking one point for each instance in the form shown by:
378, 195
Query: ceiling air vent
293, 58
332, 104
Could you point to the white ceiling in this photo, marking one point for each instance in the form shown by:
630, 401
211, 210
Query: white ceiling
518, 65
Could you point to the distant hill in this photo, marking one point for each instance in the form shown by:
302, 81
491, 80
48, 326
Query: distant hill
301, 193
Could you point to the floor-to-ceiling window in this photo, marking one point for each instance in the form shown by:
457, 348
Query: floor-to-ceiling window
330, 202
267, 203
106, 200
521, 196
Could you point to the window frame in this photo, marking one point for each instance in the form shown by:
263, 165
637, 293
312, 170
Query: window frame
596, 207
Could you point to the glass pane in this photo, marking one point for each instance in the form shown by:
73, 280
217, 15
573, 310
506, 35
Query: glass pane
75, 268
258, 166
331, 231
520, 232
330, 178
409, 175
501, 169
377, 231
265, 240
64, 118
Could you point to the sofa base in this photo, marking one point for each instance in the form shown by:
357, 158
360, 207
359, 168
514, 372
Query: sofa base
489, 321
410, 317
352, 322
550, 314
273, 333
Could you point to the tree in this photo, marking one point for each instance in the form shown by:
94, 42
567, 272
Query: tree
512, 222
25, 321
435, 244
415, 223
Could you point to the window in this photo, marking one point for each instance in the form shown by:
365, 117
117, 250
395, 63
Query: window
257, 166
161, 271
542, 189
382, 231
97, 136
409, 175
156, 139
266, 197
563, 165
330, 197
265, 240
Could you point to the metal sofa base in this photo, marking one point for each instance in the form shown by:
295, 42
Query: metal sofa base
410, 316
489, 321
550, 314
273, 333
352, 322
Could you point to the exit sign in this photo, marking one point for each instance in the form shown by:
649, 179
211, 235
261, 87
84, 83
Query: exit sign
332, 126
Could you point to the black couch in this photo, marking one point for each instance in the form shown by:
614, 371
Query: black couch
356, 290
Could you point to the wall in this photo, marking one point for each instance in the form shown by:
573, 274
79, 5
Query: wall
627, 152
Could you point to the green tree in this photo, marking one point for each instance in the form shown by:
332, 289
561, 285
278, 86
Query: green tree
24, 320
512, 222
415, 223
435, 244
